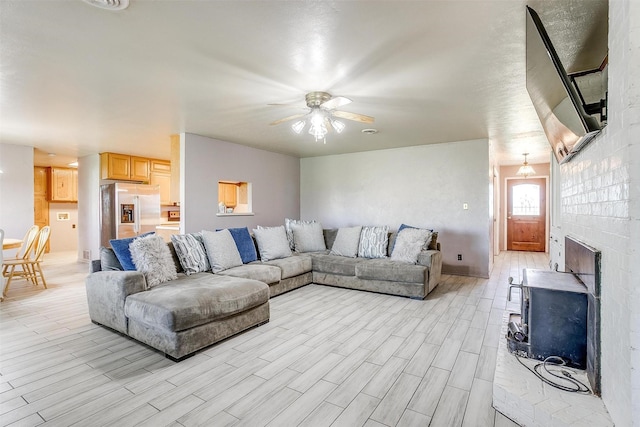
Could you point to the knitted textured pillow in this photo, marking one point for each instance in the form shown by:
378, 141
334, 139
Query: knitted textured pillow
152, 257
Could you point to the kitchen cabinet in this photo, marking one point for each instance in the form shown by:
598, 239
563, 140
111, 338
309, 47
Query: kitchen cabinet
161, 175
228, 194
41, 198
122, 167
62, 184
139, 169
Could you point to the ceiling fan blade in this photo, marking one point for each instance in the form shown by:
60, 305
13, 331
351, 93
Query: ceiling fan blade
336, 102
295, 116
353, 116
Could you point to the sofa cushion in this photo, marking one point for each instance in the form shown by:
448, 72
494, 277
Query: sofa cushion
373, 242
292, 266
221, 250
191, 253
272, 242
347, 242
308, 237
195, 300
409, 243
121, 249
152, 257
257, 271
385, 269
325, 263
330, 235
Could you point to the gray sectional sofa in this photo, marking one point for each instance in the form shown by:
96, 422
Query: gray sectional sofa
192, 312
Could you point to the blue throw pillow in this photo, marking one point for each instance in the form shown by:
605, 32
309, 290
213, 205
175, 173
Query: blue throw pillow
244, 243
121, 249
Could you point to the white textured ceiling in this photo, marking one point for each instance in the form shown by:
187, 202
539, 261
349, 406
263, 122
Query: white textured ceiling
77, 80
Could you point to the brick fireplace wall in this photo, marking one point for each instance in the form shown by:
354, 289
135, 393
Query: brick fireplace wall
600, 205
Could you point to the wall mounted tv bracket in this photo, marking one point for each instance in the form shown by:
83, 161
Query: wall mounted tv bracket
599, 108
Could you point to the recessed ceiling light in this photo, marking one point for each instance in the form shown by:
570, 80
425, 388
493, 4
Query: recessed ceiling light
73, 164
51, 154
369, 131
109, 4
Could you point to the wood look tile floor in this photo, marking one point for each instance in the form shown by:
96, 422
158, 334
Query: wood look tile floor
328, 357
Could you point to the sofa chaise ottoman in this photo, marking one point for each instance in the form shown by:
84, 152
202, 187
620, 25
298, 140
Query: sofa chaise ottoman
180, 317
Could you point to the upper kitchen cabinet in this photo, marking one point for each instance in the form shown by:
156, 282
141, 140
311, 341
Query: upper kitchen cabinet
161, 175
63, 184
124, 168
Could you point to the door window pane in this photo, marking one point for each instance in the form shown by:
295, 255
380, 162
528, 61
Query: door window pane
526, 199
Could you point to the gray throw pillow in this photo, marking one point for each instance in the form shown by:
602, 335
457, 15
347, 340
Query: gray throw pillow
288, 223
152, 257
272, 243
109, 260
191, 253
409, 243
221, 250
308, 237
347, 242
373, 242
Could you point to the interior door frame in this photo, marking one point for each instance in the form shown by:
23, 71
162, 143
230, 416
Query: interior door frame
503, 214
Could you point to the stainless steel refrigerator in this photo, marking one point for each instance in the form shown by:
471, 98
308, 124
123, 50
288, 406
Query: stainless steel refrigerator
128, 210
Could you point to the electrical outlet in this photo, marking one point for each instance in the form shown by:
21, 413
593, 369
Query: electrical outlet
459, 257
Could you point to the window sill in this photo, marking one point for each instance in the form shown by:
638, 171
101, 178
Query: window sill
236, 214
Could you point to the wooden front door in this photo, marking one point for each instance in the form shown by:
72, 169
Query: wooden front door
526, 214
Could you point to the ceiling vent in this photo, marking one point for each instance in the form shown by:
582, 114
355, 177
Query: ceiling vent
109, 4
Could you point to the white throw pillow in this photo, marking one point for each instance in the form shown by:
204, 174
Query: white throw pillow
221, 250
287, 228
347, 242
409, 243
308, 237
152, 257
272, 243
373, 242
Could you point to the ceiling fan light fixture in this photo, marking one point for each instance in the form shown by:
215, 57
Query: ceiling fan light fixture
338, 125
525, 170
318, 129
298, 126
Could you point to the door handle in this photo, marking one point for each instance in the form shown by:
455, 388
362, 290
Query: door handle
508, 217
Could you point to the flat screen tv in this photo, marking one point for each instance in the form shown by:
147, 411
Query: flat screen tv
565, 122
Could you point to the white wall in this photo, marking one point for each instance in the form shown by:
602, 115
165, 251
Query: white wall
422, 186
64, 233
275, 180
600, 198
89, 207
16, 190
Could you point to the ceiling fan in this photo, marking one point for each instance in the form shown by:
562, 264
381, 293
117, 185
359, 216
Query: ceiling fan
323, 115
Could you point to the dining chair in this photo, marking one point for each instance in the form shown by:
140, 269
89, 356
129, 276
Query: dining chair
30, 268
26, 247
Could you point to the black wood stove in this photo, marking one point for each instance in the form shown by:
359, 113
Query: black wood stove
560, 312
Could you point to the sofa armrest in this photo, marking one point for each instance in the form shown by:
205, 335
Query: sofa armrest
107, 292
433, 261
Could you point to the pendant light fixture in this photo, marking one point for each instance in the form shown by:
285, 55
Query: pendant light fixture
525, 170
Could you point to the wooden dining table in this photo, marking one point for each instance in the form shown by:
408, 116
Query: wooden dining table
11, 243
